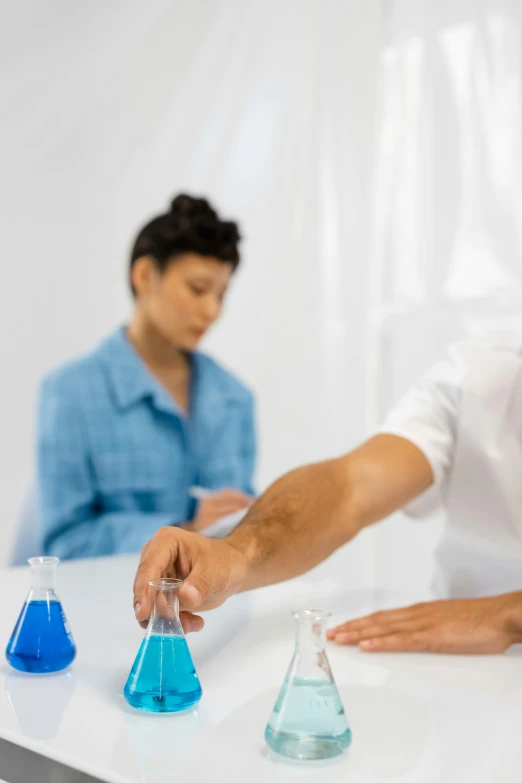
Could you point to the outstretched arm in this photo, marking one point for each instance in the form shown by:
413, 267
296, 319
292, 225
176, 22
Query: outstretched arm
307, 514
298, 522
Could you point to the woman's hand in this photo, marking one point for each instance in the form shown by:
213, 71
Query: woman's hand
480, 625
216, 505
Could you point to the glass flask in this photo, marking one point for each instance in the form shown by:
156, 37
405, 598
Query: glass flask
41, 641
308, 720
163, 677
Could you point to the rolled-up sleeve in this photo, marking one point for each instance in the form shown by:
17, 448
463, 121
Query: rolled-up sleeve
427, 416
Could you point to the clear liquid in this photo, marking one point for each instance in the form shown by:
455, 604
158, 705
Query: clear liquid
308, 720
163, 677
40, 642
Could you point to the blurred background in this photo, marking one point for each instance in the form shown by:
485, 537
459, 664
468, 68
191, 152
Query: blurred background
370, 150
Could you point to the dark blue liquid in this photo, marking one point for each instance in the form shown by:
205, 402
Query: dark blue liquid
163, 677
40, 642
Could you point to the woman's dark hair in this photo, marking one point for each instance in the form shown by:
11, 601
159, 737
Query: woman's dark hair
191, 226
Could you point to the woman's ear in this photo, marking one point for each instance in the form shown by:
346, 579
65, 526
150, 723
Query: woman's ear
142, 274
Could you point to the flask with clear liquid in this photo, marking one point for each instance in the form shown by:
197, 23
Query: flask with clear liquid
41, 641
308, 719
163, 677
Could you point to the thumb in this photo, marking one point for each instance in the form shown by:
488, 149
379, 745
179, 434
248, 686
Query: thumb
196, 588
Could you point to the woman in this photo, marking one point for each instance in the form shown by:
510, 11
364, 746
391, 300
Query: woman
125, 432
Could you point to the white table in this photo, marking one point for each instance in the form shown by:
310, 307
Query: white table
421, 718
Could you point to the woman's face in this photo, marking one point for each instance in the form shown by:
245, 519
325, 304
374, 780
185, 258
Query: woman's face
183, 302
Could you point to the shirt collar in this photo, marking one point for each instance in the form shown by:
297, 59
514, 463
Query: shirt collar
133, 382
130, 378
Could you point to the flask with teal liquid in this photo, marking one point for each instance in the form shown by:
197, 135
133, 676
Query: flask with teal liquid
163, 677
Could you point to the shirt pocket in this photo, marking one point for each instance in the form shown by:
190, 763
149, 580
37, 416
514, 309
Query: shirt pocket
131, 472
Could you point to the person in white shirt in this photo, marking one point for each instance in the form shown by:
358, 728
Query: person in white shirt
454, 444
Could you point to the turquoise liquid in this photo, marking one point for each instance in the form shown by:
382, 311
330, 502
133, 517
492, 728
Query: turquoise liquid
308, 720
41, 642
163, 677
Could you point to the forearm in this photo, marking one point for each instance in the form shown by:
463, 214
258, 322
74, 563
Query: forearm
298, 522
310, 512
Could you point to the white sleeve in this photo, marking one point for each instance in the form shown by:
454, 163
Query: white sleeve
427, 416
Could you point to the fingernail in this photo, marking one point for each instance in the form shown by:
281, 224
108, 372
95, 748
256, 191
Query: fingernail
330, 634
368, 644
137, 608
193, 593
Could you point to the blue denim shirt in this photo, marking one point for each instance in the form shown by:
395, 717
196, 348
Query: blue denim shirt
117, 456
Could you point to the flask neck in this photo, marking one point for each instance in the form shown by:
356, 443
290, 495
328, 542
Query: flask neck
164, 619
43, 575
310, 631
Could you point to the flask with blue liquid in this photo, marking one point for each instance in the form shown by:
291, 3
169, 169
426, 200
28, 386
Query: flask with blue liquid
41, 641
163, 677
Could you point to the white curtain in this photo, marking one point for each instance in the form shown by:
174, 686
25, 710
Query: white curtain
447, 259
267, 107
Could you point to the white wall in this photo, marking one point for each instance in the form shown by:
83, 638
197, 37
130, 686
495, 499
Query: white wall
267, 107
447, 260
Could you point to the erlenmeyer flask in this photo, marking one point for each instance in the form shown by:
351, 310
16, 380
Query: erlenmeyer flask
41, 641
163, 677
308, 720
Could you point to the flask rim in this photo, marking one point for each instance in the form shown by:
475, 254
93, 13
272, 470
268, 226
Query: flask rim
311, 614
33, 561
166, 584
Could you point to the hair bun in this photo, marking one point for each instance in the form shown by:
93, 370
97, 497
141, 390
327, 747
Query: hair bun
185, 206
190, 226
